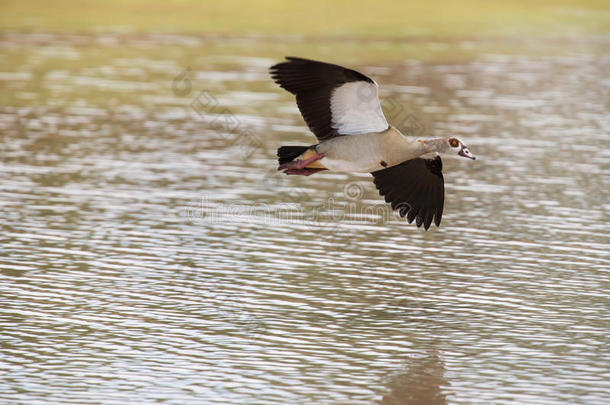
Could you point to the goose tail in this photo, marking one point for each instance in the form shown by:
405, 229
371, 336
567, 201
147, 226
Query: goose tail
299, 160
286, 154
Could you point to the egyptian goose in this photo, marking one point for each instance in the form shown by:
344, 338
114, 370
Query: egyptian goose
341, 107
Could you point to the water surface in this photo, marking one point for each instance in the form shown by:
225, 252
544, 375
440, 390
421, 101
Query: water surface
151, 253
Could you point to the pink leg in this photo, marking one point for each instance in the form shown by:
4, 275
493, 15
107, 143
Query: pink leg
300, 164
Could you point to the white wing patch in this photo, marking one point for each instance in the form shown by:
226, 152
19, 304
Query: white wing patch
355, 109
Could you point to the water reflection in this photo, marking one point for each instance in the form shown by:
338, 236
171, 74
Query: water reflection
422, 382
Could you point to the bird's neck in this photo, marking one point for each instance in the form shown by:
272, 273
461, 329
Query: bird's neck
438, 145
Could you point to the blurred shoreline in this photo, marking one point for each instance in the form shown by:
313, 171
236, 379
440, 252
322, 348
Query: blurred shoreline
314, 18
345, 49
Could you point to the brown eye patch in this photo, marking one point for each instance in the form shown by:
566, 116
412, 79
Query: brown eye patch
453, 142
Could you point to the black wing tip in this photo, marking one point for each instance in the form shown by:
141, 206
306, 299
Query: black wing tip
437, 218
294, 61
421, 216
291, 60
417, 214
299, 59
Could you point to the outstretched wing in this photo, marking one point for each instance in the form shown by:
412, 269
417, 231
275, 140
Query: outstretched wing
332, 99
415, 188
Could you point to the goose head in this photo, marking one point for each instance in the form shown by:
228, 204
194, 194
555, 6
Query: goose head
458, 146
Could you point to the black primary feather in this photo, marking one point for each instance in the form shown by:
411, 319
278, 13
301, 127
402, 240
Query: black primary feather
415, 188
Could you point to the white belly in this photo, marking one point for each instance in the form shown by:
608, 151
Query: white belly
359, 166
368, 152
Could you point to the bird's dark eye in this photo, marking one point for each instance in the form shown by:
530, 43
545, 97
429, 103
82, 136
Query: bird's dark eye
453, 142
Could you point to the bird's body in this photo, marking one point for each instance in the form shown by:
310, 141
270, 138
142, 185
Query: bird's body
342, 109
366, 153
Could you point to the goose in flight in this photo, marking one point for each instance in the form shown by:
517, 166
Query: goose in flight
342, 109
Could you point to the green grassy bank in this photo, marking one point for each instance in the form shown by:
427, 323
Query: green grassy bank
393, 18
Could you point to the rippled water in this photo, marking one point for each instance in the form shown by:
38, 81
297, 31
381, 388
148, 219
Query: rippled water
151, 253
